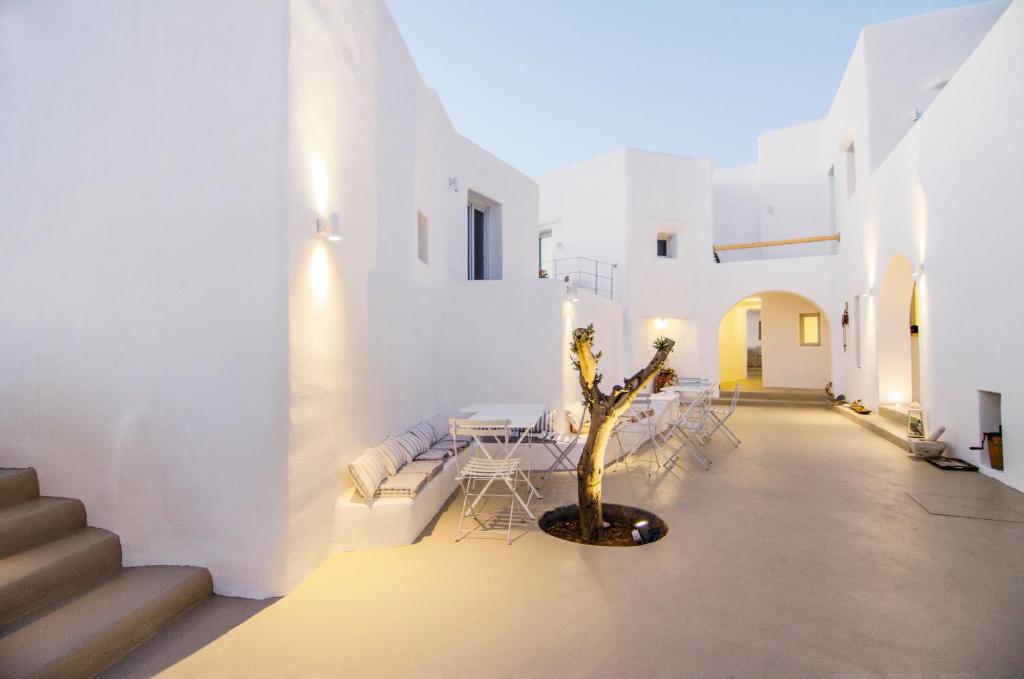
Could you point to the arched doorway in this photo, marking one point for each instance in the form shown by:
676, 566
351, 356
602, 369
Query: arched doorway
899, 371
898, 365
774, 340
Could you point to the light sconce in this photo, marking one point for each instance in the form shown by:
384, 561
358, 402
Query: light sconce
329, 227
865, 295
572, 290
917, 271
660, 323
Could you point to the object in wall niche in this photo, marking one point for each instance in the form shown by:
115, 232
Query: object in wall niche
666, 377
846, 322
995, 448
915, 422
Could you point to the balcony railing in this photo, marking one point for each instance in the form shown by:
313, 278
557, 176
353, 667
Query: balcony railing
587, 274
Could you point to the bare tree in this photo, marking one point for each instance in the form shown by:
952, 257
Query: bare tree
605, 410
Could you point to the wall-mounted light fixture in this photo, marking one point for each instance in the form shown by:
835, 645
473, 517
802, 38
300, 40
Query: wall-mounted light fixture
865, 295
572, 290
660, 323
917, 271
329, 227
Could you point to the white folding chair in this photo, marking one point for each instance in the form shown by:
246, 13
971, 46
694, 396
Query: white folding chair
479, 474
717, 418
690, 425
641, 423
559, 445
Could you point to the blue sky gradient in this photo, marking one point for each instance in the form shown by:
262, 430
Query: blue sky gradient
544, 84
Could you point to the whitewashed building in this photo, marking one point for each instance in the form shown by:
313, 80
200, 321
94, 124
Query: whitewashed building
910, 177
242, 241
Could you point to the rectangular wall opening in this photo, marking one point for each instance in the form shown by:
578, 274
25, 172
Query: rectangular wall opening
666, 245
990, 421
856, 330
810, 330
851, 170
422, 238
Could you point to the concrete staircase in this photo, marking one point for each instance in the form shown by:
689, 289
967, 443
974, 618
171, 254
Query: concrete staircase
793, 398
67, 606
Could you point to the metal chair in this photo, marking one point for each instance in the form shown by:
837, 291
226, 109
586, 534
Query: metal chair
557, 444
717, 418
690, 424
479, 473
643, 422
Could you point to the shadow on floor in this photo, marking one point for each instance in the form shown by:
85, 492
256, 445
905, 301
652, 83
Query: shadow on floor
199, 626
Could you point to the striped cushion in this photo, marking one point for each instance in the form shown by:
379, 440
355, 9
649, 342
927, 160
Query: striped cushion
368, 471
428, 467
424, 433
435, 453
439, 423
394, 454
412, 444
406, 484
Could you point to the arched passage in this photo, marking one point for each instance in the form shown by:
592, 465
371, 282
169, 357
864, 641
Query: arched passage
774, 339
898, 364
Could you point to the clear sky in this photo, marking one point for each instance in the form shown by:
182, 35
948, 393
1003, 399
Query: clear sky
544, 84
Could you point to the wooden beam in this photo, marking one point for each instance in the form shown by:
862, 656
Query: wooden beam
773, 243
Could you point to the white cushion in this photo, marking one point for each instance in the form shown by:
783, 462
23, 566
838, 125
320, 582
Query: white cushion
412, 444
435, 453
404, 484
440, 425
394, 454
424, 433
368, 471
428, 467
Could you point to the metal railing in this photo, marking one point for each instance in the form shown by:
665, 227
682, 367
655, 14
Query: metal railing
587, 274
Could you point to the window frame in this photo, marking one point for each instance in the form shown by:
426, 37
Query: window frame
817, 319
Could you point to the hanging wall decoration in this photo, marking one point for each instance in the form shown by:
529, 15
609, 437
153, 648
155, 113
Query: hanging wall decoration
846, 322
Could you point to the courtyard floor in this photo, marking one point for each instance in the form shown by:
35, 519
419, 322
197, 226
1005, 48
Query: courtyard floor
802, 553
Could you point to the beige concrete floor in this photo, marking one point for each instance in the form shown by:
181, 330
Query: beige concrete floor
800, 554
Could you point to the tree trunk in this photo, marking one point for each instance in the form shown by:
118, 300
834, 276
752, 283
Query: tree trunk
590, 474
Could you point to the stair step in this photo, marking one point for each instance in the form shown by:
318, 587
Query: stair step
35, 577
780, 403
897, 415
795, 395
18, 485
37, 521
881, 426
96, 627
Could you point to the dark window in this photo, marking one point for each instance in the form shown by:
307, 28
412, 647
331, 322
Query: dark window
478, 243
662, 247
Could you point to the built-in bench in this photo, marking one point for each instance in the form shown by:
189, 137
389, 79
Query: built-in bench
367, 517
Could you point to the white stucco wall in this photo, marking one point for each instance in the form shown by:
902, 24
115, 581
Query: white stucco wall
794, 197
193, 361
785, 363
737, 210
732, 345
585, 208
143, 343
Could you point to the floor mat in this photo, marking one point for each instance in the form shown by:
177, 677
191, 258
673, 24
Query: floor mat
1000, 507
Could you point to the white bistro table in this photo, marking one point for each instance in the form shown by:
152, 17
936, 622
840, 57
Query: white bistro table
522, 416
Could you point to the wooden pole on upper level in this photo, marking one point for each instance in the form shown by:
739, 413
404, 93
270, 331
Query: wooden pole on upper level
773, 243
